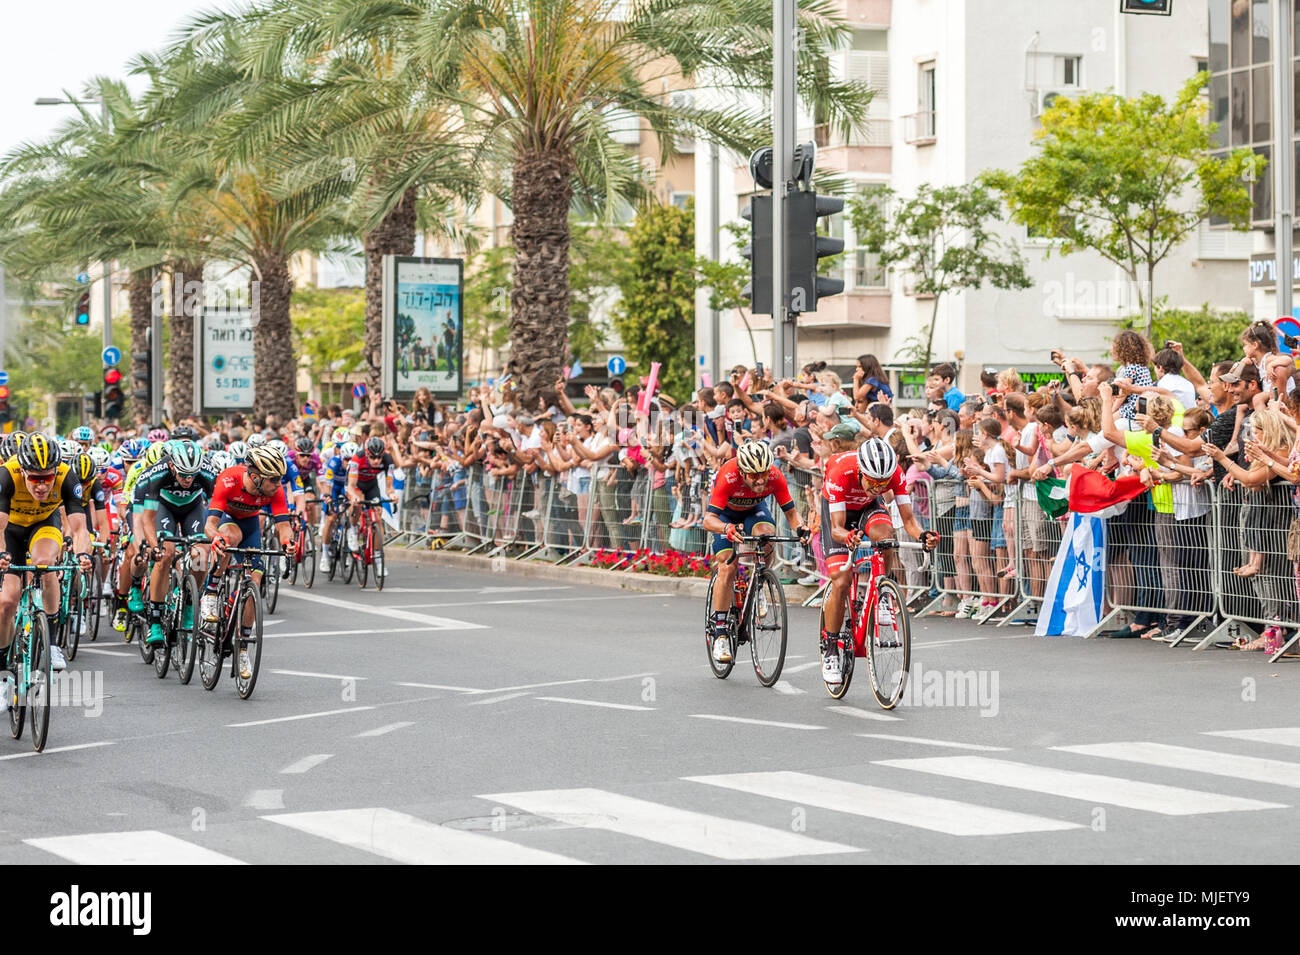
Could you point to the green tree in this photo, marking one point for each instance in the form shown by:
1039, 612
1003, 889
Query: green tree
1129, 178
655, 317
1206, 334
329, 328
943, 237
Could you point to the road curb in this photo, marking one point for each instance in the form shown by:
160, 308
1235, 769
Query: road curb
593, 576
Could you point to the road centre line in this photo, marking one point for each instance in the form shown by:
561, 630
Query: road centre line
381, 730
745, 719
60, 749
306, 764
345, 633
863, 714
300, 716
533, 600
440, 623
933, 742
786, 689
498, 699
612, 706
321, 676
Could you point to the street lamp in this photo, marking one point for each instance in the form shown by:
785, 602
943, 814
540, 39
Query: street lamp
107, 265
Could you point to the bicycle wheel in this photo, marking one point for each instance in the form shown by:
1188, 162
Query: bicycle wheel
17, 702
187, 643
253, 644
71, 637
271, 574
837, 690
307, 557
94, 602
40, 691
138, 628
335, 550
362, 560
162, 652
720, 670
889, 644
377, 557
767, 627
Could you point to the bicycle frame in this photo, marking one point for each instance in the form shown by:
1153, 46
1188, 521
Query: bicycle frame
868, 554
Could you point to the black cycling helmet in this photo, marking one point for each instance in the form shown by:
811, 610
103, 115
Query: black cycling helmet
39, 453
184, 433
9, 445
305, 444
375, 446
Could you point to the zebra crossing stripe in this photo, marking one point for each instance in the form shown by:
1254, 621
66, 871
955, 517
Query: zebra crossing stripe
1275, 771
403, 838
889, 805
145, 847
1280, 736
714, 836
1108, 790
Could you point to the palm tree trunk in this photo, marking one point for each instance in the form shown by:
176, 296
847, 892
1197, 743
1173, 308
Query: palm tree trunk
539, 304
275, 367
141, 299
187, 297
395, 235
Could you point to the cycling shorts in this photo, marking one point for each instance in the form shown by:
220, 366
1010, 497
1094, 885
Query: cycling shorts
746, 520
19, 538
175, 522
250, 535
837, 555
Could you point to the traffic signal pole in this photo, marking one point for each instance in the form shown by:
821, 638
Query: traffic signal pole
1281, 166
784, 351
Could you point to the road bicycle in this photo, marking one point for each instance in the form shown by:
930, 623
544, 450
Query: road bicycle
273, 569
370, 537
180, 607
304, 557
757, 615
876, 626
340, 554
29, 657
235, 592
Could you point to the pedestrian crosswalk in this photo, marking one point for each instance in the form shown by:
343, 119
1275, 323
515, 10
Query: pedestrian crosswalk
747, 816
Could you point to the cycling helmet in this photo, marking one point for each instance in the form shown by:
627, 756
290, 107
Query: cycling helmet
754, 457
184, 433
69, 449
256, 440
375, 445
341, 435
876, 459
9, 446
222, 460
38, 453
238, 450
84, 466
186, 457
213, 442
279, 446
155, 454
132, 448
305, 444
267, 461
349, 450
112, 479
157, 434
83, 434
100, 458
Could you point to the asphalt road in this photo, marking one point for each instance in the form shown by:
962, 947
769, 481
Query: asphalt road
463, 717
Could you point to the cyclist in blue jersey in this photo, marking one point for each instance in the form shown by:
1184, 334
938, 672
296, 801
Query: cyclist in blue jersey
333, 486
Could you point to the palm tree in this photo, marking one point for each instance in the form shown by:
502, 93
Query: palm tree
536, 79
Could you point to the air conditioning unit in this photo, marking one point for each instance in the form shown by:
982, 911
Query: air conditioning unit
1043, 100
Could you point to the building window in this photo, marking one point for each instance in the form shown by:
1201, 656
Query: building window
680, 199
1070, 68
921, 125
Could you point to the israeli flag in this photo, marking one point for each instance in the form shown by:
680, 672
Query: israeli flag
1076, 590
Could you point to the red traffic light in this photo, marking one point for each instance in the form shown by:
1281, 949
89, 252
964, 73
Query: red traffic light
4, 393
112, 376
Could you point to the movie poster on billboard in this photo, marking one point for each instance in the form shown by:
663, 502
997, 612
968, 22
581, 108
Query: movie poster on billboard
427, 326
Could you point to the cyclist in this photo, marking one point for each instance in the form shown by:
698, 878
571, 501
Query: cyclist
853, 502
233, 520
333, 488
738, 507
172, 499
129, 575
34, 484
84, 436
309, 470
365, 482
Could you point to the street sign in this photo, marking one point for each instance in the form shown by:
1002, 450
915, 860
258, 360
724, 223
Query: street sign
359, 390
4, 377
112, 355
616, 365
1287, 326
308, 411
83, 278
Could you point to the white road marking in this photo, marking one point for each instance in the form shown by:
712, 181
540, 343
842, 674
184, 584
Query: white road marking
468, 590
715, 836
907, 809
109, 653
612, 706
60, 749
265, 799
531, 600
1275, 771
942, 643
498, 699
381, 730
785, 689
745, 719
321, 676
300, 716
147, 847
273, 623
803, 666
863, 714
403, 838
377, 610
1280, 736
345, 633
440, 686
934, 742
306, 764
535, 686
1111, 790
616, 679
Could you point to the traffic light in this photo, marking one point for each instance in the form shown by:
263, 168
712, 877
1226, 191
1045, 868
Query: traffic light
142, 373
82, 314
113, 397
5, 414
759, 252
806, 247
92, 406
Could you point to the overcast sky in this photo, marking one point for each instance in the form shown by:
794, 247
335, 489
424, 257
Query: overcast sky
57, 45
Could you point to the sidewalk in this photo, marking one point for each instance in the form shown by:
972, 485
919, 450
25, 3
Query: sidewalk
697, 587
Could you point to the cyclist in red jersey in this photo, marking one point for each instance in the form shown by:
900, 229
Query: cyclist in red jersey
852, 499
738, 507
238, 497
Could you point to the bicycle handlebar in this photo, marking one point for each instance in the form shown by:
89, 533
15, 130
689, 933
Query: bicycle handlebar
762, 540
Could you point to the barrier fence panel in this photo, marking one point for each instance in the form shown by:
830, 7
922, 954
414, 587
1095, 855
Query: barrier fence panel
496, 500
511, 504
1037, 540
966, 565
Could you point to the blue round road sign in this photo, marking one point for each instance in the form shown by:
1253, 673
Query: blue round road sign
83, 278
616, 365
112, 356
4, 377
359, 390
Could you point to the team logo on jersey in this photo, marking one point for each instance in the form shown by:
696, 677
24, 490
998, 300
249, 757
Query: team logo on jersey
76, 491
833, 486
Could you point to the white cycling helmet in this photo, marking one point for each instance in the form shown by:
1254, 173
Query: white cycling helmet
237, 450
100, 457
349, 450
876, 459
222, 460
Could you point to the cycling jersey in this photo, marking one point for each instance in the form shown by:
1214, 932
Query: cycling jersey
230, 499
367, 473
310, 468
23, 509
94, 491
842, 488
292, 480
731, 493
158, 485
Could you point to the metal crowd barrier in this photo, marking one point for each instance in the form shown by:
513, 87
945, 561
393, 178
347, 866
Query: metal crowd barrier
966, 567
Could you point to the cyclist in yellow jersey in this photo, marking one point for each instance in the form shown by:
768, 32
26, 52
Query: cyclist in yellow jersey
34, 484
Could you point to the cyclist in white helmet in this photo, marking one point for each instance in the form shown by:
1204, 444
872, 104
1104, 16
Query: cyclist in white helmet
853, 502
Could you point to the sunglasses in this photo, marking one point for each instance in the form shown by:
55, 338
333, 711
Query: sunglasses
39, 478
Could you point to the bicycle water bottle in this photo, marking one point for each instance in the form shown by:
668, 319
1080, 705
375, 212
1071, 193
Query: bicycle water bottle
742, 584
